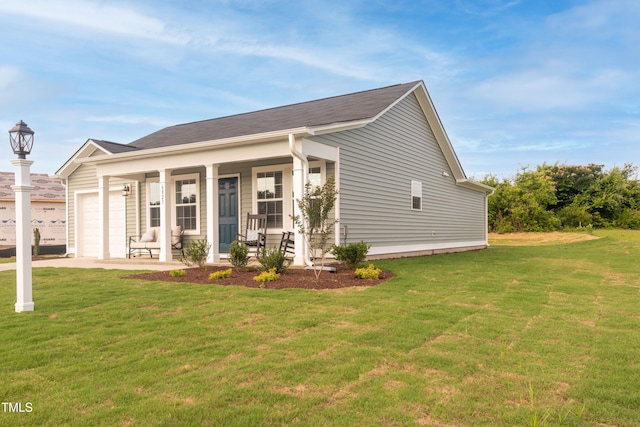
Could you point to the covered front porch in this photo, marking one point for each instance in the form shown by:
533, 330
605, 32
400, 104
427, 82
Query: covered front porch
208, 189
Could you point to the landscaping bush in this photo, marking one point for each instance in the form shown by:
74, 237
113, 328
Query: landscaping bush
177, 273
352, 254
222, 274
195, 253
273, 258
266, 276
238, 254
369, 272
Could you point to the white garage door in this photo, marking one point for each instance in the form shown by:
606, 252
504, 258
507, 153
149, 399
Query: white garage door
87, 225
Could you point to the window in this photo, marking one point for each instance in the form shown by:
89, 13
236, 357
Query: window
315, 177
416, 195
186, 191
153, 199
269, 196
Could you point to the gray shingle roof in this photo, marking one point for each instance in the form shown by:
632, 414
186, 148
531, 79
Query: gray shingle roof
113, 147
337, 109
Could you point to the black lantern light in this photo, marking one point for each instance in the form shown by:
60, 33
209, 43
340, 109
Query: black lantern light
21, 138
126, 190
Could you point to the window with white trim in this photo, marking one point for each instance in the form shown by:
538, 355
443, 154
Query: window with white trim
187, 203
270, 197
153, 203
416, 195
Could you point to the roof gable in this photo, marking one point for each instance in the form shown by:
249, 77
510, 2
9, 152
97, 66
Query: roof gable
322, 112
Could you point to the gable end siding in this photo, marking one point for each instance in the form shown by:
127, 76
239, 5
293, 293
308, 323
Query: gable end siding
378, 163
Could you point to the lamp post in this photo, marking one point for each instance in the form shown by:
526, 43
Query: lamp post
21, 138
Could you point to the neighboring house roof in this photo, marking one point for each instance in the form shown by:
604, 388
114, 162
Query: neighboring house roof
45, 187
337, 109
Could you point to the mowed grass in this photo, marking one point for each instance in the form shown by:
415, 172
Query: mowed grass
513, 335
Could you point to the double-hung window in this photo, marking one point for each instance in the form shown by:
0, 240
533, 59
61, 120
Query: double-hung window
187, 203
270, 197
416, 195
153, 197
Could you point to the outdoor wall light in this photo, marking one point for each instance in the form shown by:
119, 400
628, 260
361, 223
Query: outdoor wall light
21, 138
126, 190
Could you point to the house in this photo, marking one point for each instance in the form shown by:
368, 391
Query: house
401, 186
48, 213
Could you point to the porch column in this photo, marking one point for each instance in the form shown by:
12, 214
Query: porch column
213, 218
165, 216
298, 192
103, 217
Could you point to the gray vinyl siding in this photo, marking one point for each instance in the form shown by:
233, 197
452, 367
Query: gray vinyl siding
378, 163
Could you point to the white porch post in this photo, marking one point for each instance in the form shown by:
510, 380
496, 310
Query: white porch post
298, 193
213, 218
103, 217
165, 216
23, 188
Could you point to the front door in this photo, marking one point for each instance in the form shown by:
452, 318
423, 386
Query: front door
228, 212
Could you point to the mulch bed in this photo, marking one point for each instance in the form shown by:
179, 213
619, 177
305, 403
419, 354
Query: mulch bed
293, 278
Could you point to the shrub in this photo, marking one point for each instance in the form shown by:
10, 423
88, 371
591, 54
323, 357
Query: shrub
370, 272
36, 241
222, 274
273, 258
238, 254
266, 276
177, 273
195, 253
352, 254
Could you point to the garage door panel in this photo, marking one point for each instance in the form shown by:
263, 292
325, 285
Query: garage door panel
87, 241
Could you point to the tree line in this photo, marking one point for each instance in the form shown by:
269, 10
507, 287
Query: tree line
557, 197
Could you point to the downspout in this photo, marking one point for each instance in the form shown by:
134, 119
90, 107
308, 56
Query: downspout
305, 162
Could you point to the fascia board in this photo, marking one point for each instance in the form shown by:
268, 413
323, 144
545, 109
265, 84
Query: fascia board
474, 185
195, 147
187, 159
74, 161
338, 127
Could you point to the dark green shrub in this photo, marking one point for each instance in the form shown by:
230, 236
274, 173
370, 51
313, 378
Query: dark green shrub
272, 258
195, 253
352, 254
36, 241
238, 254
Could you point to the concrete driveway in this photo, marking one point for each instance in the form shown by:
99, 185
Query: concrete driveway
112, 264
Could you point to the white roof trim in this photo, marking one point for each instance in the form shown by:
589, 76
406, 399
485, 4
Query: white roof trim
88, 148
196, 146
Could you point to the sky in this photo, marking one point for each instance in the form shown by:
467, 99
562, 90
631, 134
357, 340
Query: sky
516, 83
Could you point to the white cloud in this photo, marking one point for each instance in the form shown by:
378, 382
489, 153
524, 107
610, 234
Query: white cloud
8, 76
129, 120
95, 16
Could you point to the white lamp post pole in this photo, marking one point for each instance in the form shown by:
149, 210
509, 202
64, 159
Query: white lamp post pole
23, 235
21, 138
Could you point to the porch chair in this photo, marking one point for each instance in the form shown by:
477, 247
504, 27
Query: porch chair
287, 244
255, 236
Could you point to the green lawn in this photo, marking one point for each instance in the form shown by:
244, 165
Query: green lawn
513, 335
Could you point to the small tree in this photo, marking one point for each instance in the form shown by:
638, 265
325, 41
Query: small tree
316, 206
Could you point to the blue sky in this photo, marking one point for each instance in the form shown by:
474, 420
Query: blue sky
515, 82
